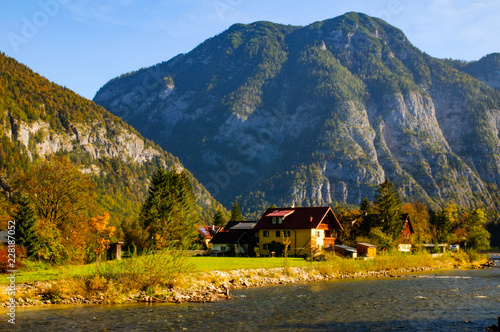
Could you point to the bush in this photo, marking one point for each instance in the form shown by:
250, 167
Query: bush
6, 260
146, 271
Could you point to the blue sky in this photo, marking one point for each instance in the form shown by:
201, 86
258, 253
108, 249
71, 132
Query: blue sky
81, 44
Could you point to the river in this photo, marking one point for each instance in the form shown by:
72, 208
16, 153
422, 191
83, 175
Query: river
444, 301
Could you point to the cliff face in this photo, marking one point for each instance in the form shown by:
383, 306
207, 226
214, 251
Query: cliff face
278, 114
39, 119
93, 139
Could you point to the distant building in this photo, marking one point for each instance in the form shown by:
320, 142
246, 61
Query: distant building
206, 233
115, 251
407, 230
405, 240
346, 251
3, 237
437, 248
236, 239
366, 249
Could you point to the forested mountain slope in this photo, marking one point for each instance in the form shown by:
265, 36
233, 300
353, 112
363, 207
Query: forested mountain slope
39, 119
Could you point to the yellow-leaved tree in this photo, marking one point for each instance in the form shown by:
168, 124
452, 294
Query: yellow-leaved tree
103, 233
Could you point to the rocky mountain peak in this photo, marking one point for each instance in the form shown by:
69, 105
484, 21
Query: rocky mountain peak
278, 114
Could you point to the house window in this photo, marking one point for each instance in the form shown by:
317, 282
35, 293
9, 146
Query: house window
265, 233
278, 233
223, 248
274, 220
318, 234
266, 246
280, 220
286, 233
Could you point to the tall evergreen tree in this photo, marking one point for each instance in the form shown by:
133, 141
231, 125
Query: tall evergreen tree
169, 212
442, 222
219, 219
387, 206
236, 213
366, 206
25, 223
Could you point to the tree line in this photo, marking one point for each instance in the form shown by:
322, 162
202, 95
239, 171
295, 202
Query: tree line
57, 220
381, 222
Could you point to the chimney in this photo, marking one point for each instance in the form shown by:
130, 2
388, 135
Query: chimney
293, 205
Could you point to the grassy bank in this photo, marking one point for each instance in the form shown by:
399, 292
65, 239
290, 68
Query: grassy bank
171, 277
34, 272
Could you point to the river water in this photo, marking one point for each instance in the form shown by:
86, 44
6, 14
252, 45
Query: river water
444, 301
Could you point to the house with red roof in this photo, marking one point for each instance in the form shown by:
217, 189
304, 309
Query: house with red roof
306, 230
206, 233
407, 230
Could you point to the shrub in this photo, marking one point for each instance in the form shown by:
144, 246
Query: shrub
149, 270
6, 260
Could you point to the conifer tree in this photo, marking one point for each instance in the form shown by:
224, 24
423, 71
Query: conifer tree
366, 206
236, 213
169, 212
443, 221
387, 205
219, 219
25, 223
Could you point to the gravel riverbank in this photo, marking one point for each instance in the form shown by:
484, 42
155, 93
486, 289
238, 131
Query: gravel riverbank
205, 287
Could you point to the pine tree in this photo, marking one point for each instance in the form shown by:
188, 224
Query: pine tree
219, 219
25, 223
169, 212
387, 205
443, 222
366, 206
236, 213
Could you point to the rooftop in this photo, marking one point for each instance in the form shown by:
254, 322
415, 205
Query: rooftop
298, 218
280, 213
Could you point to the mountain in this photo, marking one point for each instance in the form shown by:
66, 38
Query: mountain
39, 118
486, 69
278, 114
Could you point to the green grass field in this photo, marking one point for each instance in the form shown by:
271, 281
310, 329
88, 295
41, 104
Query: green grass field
202, 263
35, 272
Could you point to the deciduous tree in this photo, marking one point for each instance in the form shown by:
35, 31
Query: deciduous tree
61, 197
419, 217
102, 234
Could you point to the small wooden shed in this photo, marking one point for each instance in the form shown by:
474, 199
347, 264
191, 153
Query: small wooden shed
115, 251
346, 251
366, 249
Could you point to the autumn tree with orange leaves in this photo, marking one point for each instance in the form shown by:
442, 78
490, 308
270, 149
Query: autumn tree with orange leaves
61, 197
102, 232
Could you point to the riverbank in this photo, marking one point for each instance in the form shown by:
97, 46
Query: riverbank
216, 285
